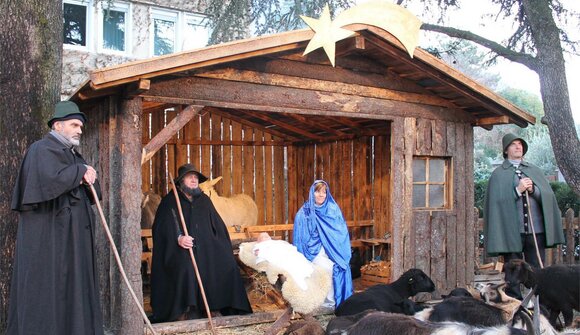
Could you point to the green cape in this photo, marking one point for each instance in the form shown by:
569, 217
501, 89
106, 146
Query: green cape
500, 213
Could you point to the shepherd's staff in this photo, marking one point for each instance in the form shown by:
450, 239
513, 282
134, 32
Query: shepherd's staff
536, 319
529, 212
116, 253
185, 233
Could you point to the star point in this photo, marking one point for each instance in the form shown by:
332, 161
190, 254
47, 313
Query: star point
326, 34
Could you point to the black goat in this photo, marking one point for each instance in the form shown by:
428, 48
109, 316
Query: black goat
458, 292
380, 323
468, 310
387, 297
558, 287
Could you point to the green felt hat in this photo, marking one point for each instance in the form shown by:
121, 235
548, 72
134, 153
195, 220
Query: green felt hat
66, 110
508, 139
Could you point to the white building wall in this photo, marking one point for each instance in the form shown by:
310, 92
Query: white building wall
78, 61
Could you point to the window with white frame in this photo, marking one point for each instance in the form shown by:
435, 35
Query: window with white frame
76, 23
431, 183
195, 33
163, 32
115, 28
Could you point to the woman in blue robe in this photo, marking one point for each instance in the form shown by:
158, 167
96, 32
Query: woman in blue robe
321, 235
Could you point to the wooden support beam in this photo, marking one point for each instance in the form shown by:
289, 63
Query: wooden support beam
87, 95
220, 322
250, 123
136, 88
350, 46
198, 141
490, 121
324, 86
282, 322
284, 125
306, 121
166, 133
295, 100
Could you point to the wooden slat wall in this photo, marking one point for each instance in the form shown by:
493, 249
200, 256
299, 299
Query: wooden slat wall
442, 242
256, 171
356, 181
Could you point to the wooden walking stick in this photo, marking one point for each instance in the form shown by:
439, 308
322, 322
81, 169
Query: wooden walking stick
185, 233
529, 212
118, 259
527, 195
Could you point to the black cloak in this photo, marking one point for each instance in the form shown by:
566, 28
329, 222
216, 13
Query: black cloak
54, 285
174, 286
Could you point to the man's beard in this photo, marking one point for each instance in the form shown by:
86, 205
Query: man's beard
74, 141
190, 191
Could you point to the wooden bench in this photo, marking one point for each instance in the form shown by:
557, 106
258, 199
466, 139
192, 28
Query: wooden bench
359, 231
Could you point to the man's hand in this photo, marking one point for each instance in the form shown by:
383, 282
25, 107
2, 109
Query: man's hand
525, 184
90, 176
186, 242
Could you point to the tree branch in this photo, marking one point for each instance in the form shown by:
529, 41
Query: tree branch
499, 49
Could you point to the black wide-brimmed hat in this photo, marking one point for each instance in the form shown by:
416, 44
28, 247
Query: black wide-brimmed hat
189, 168
508, 139
66, 110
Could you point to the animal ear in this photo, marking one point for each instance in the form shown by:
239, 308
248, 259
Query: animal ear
215, 180
529, 280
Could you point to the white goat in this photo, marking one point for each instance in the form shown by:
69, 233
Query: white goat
237, 210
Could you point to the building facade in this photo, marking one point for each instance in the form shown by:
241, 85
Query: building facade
98, 34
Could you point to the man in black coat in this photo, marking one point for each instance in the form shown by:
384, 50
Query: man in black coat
175, 293
54, 284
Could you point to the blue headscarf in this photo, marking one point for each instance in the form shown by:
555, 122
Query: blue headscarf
324, 226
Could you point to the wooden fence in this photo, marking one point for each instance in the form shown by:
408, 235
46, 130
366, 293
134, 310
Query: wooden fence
571, 224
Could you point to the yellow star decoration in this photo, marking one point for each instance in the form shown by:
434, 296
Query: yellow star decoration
327, 33
392, 18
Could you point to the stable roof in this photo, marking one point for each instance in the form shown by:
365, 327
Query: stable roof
434, 82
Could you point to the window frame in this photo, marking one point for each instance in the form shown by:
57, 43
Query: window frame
88, 22
167, 15
118, 6
197, 19
447, 183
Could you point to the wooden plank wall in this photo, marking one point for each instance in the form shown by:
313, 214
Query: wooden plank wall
257, 171
358, 171
438, 242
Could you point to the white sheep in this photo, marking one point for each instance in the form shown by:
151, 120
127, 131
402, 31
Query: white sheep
237, 210
302, 301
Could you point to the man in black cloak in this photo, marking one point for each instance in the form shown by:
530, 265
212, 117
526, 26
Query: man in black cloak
175, 293
54, 285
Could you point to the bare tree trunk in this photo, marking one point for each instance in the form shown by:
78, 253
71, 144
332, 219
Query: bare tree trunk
30, 80
554, 88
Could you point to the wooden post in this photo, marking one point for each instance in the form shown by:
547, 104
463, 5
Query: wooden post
125, 212
569, 229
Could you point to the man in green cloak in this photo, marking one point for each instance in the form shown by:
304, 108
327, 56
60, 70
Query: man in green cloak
511, 222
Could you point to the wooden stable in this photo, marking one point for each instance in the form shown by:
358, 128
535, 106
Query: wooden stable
271, 121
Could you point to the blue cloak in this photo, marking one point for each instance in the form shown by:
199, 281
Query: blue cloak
324, 226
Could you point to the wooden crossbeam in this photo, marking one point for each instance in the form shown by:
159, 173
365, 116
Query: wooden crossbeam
171, 129
250, 123
490, 121
284, 125
304, 120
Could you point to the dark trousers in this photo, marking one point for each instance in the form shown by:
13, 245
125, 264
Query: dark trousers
529, 255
